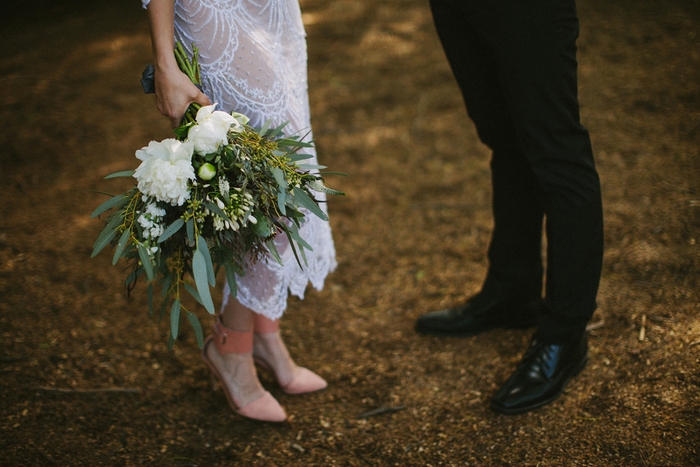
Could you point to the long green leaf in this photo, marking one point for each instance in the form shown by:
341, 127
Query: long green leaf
125, 173
175, 319
299, 157
216, 209
107, 234
197, 328
310, 166
190, 230
204, 249
150, 299
171, 230
282, 201
293, 246
161, 313
306, 201
231, 278
109, 204
145, 261
199, 269
123, 241
265, 127
192, 291
273, 250
294, 231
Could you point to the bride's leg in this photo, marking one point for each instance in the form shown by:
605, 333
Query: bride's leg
229, 354
270, 351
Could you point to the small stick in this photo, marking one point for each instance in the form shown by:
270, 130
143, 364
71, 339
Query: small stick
642, 329
596, 325
89, 391
380, 411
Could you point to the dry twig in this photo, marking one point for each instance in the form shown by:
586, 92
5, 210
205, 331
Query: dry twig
381, 411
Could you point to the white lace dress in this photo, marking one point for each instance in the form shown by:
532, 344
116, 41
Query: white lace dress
253, 61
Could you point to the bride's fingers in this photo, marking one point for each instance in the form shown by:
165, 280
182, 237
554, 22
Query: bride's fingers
202, 99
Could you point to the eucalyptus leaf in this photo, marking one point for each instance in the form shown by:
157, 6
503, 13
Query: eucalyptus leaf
282, 201
165, 286
171, 230
273, 251
123, 241
163, 306
306, 201
194, 321
299, 157
175, 319
294, 230
125, 173
231, 279
145, 261
107, 234
216, 209
193, 292
199, 270
150, 299
204, 249
293, 246
310, 167
265, 127
190, 230
109, 204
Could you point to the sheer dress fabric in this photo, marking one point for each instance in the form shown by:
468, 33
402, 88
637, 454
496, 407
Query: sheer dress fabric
253, 60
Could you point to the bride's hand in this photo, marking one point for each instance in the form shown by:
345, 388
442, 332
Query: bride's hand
174, 93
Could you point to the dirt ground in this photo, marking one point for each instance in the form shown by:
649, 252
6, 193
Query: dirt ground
85, 375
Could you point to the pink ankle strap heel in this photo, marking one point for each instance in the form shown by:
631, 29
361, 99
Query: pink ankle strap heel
265, 408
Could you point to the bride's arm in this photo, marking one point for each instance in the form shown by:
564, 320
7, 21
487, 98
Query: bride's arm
174, 90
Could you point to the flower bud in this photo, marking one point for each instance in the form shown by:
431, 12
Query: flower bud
206, 171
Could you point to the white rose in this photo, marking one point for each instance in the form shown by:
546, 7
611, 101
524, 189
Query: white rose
211, 130
166, 170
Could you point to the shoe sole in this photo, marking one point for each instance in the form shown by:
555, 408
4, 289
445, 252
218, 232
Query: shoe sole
520, 410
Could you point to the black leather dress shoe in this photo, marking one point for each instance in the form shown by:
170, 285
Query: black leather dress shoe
541, 376
480, 314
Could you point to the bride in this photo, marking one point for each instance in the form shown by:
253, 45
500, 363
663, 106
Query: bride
253, 61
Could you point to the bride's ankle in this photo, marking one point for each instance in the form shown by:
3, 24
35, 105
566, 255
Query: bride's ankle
270, 350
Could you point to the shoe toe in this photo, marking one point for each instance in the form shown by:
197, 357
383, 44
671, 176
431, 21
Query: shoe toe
265, 408
305, 381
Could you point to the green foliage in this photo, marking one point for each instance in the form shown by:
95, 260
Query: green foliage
259, 191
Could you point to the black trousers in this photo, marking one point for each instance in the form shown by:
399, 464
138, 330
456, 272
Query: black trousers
515, 63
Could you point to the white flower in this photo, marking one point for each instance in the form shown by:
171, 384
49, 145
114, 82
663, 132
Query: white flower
150, 221
242, 119
219, 224
166, 170
154, 210
224, 187
211, 130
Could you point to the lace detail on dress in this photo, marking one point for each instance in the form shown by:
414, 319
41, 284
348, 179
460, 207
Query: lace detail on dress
253, 61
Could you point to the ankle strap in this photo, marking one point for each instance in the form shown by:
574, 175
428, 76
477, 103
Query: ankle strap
230, 341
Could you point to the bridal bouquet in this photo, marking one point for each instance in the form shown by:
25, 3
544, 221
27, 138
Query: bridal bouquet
216, 196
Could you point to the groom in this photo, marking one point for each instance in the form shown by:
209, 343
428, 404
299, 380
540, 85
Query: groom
515, 63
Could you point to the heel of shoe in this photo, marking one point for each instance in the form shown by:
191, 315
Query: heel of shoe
226, 341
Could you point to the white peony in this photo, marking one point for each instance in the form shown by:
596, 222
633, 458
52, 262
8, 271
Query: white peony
211, 130
166, 170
